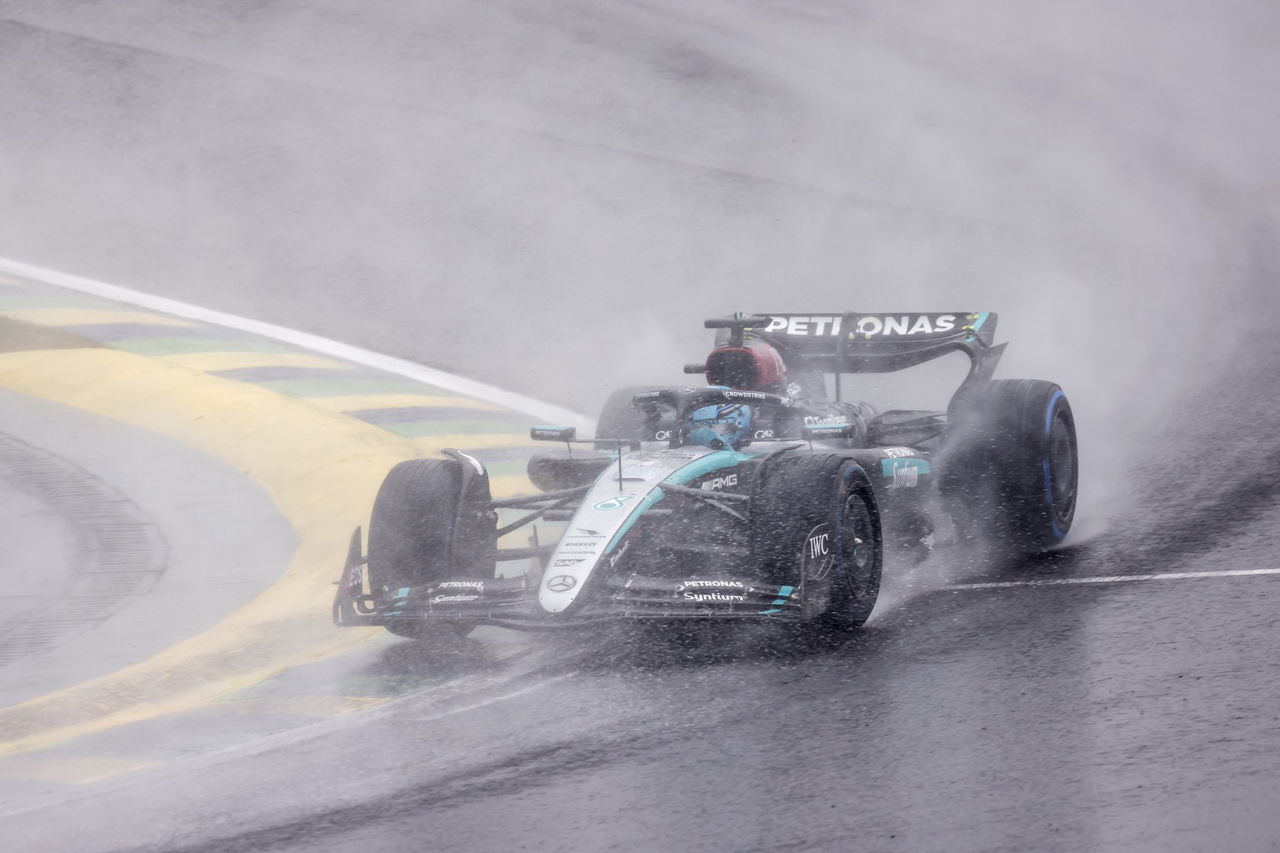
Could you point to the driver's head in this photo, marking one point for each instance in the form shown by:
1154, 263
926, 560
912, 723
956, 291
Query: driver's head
718, 426
755, 366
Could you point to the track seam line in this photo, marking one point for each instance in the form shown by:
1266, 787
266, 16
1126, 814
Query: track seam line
1104, 579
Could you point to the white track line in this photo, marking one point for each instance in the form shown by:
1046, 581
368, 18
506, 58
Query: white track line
304, 340
1160, 576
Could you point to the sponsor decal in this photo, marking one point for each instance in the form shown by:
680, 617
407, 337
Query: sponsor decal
586, 531
562, 563
762, 434
713, 596
897, 452
478, 586
615, 502
715, 584
832, 420
818, 556
868, 325
617, 555
662, 435
551, 433
819, 545
441, 599
904, 473
815, 326
717, 483
562, 583
904, 324
745, 395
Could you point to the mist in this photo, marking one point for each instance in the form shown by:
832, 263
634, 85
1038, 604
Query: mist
551, 197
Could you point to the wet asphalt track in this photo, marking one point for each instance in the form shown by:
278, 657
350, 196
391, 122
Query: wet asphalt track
1134, 716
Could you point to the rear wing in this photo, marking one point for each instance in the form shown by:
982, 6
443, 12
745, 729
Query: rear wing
867, 343
812, 344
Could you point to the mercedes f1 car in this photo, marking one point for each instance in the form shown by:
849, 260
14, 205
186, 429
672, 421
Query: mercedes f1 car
762, 496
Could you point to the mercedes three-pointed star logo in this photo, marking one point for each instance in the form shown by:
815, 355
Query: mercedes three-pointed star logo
562, 583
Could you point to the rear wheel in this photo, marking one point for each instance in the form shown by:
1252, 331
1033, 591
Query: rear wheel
429, 522
1011, 466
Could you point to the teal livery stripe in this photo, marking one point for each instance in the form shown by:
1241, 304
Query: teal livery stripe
715, 461
784, 595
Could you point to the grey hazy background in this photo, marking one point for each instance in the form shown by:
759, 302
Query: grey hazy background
551, 196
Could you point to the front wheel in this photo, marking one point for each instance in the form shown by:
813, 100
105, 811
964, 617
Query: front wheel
859, 552
818, 527
430, 521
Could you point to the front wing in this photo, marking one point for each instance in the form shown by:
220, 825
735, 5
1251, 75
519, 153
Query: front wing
513, 602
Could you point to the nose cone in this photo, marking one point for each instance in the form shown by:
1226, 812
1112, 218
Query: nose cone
559, 589
599, 528
603, 518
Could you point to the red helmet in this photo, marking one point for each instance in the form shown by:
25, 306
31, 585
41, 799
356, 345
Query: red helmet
755, 366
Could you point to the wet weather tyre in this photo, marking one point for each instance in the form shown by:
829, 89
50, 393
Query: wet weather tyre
817, 527
858, 548
1011, 464
619, 419
425, 528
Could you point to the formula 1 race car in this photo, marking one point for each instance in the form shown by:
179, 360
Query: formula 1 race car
762, 496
